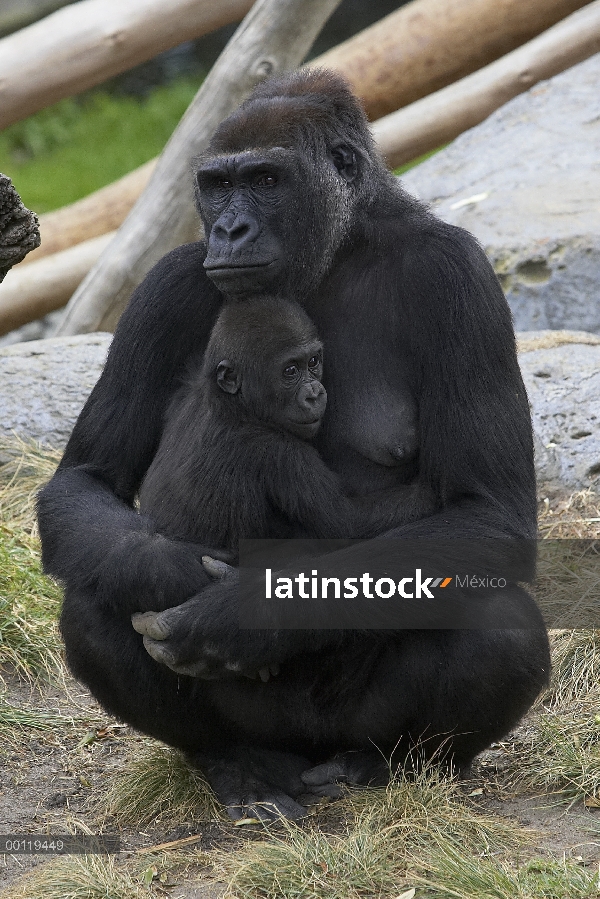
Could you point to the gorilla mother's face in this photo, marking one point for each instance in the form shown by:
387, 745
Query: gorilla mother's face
245, 201
273, 218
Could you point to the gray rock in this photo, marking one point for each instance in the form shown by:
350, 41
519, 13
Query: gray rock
563, 385
44, 384
526, 183
36, 330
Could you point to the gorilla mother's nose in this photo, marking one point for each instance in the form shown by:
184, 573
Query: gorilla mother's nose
235, 231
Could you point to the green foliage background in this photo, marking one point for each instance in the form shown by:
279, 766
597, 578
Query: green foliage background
80, 144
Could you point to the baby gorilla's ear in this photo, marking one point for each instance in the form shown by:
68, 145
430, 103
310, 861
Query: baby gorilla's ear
228, 378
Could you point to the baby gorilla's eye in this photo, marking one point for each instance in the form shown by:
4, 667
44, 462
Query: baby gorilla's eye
290, 370
314, 362
266, 181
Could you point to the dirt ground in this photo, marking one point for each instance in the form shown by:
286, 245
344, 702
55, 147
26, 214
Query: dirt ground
50, 781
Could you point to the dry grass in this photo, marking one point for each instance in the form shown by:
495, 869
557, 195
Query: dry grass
417, 834
29, 602
26, 467
559, 751
29, 606
159, 785
80, 877
452, 873
559, 755
139, 876
570, 517
568, 581
576, 669
384, 845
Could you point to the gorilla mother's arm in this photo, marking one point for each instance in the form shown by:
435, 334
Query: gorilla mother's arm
91, 534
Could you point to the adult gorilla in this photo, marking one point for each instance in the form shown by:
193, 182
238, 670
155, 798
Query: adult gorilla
295, 200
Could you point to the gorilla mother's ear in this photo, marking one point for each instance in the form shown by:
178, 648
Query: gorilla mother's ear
344, 159
228, 378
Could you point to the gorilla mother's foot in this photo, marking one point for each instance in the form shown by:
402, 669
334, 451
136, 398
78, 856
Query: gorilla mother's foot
255, 783
354, 768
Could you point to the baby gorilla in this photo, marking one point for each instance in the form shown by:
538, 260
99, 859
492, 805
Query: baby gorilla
235, 460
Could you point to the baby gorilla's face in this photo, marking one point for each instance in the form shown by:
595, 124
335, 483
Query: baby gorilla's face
294, 398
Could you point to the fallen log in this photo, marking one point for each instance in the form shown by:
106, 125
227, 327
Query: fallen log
416, 50
85, 43
429, 44
106, 209
31, 291
274, 36
439, 118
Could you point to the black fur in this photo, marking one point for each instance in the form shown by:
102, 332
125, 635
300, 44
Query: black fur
234, 459
296, 201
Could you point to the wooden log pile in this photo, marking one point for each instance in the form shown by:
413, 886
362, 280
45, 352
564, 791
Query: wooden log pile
417, 73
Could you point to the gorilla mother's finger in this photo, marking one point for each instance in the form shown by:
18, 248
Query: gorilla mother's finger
151, 624
217, 569
160, 652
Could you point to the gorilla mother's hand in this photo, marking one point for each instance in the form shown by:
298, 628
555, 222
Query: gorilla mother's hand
145, 570
200, 638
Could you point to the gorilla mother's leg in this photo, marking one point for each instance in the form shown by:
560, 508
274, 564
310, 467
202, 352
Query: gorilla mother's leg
441, 695
107, 655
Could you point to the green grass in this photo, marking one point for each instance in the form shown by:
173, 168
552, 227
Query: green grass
29, 601
561, 756
452, 873
419, 834
386, 845
16, 718
78, 145
25, 467
80, 877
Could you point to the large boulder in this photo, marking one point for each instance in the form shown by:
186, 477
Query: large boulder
525, 183
44, 384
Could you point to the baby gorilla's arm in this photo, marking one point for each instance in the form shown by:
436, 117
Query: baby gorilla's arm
310, 494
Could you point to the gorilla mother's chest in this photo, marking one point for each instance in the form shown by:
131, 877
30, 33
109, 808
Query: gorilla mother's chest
370, 434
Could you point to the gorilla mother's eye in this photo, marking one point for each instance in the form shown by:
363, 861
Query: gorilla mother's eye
225, 183
265, 181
